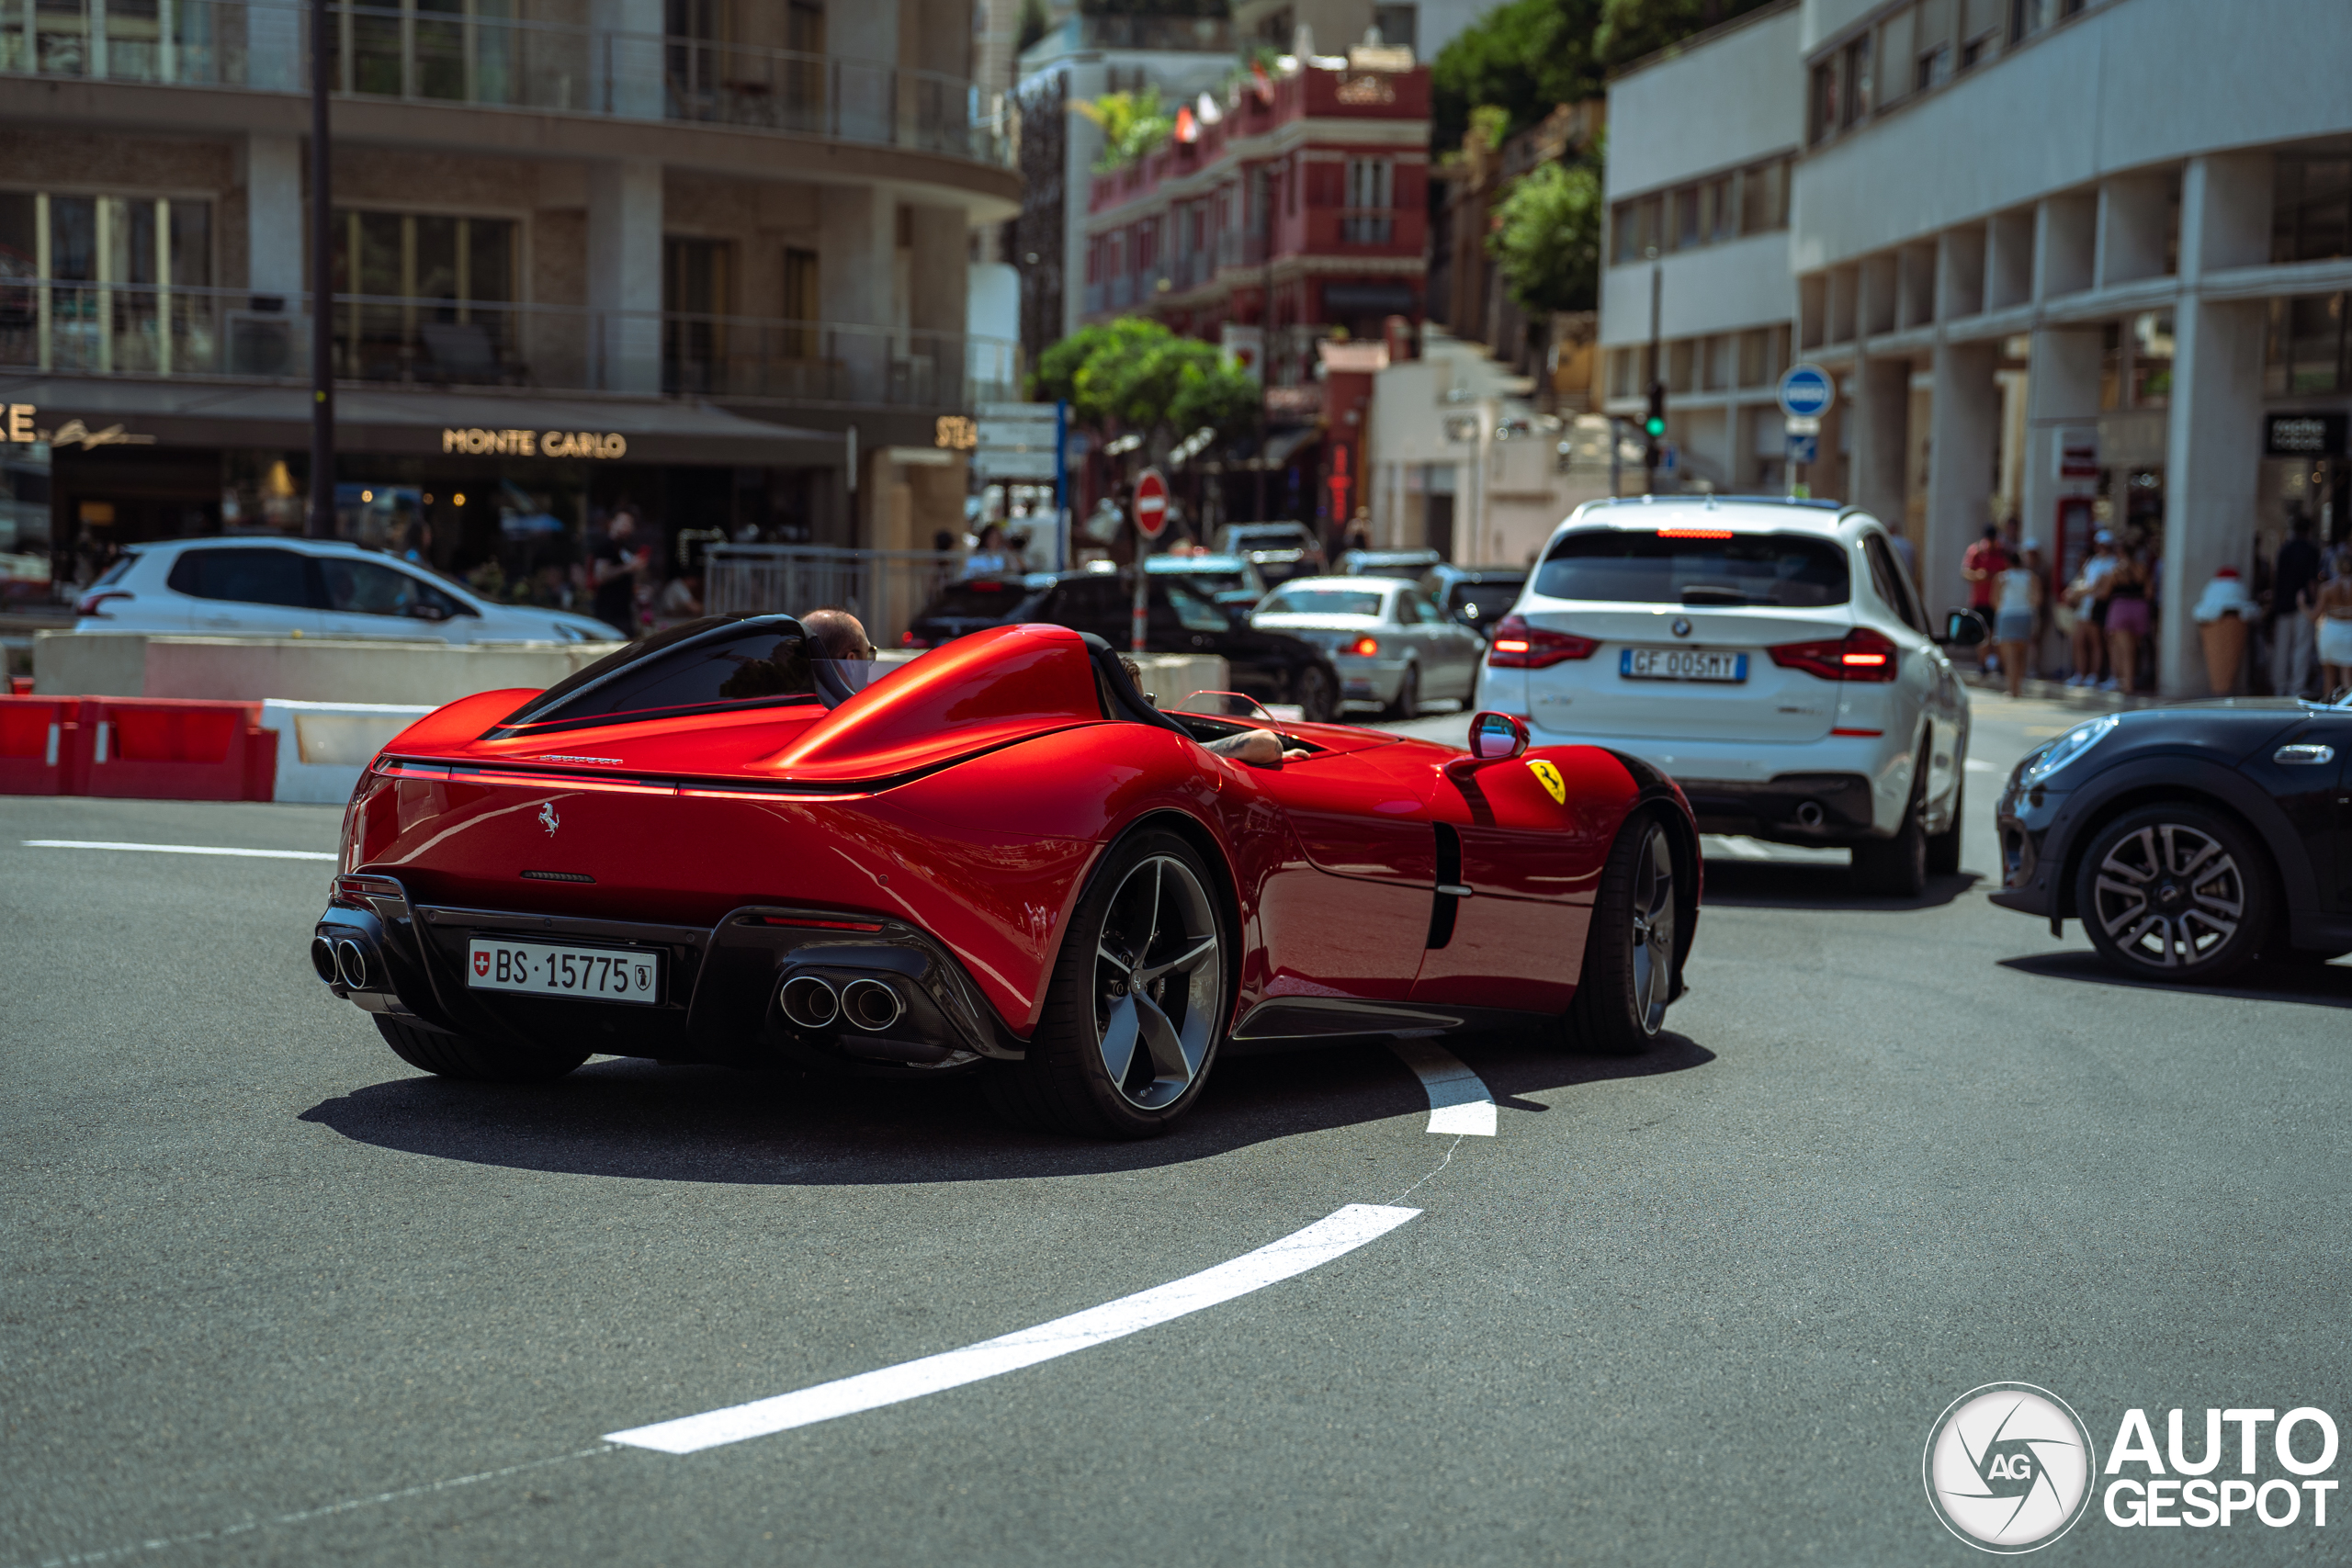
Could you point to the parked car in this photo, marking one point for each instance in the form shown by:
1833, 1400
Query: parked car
2189, 840
1096, 904
1184, 618
1279, 550
1232, 579
1476, 596
1772, 655
1391, 645
268, 586
1410, 565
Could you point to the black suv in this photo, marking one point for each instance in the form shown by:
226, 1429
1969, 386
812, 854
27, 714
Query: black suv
1184, 617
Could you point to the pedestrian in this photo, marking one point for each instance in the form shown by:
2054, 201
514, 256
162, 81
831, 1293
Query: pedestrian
2331, 615
989, 558
2292, 575
2017, 610
1983, 562
612, 569
2087, 597
2127, 621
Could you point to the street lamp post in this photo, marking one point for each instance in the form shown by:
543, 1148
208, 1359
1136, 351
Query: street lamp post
1657, 442
319, 522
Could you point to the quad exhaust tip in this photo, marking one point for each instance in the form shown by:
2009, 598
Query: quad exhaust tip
351, 965
871, 1005
810, 1002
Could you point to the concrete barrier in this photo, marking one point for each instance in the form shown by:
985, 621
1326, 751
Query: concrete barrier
322, 748
319, 669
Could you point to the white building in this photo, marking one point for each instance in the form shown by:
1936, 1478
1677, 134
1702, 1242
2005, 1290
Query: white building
2067, 259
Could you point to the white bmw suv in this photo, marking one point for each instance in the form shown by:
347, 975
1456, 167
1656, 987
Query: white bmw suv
1772, 656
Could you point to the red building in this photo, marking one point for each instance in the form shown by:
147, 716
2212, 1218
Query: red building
1307, 185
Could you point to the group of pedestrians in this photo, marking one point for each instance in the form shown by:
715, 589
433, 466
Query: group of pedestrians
2310, 617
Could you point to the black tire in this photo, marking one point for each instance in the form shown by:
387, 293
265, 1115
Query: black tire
1408, 696
1623, 988
2175, 891
1135, 914
1943, 848
1318, 692
470, 1057
1897, 867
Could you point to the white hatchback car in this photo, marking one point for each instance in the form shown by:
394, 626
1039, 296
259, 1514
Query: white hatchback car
248, 585
1771, 656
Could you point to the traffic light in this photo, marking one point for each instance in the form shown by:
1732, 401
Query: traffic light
1654, 426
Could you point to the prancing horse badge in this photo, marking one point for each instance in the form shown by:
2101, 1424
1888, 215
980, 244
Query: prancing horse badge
550, 821
1549, 777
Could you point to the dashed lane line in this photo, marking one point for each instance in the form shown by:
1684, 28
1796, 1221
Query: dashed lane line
180, 849
1460, 1105
1335, 1236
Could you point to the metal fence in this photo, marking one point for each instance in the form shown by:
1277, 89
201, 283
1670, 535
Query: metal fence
885, 589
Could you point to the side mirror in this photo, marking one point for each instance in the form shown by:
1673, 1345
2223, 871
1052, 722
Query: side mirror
1497, 738
1966, 629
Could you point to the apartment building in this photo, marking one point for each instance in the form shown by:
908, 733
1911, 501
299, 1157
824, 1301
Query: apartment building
2076, 265
685, 257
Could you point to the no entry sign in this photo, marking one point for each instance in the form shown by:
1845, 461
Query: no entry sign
1151, 503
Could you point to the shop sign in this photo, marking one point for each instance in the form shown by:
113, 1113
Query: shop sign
474, 442
2078, 454
19, 427
956, 432
2304, 434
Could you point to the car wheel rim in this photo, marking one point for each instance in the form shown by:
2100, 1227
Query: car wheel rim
1158, 975
2169, 895
1653, 930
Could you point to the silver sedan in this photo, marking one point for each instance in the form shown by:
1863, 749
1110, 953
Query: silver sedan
1391, 644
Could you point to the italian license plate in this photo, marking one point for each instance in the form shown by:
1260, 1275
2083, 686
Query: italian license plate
1681, 664
546, 969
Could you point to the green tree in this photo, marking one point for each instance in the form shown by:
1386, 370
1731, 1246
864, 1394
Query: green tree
1134, 374
1634, 29
1546, 238
1067, 373
1522, 57
1133, 124
1217, 397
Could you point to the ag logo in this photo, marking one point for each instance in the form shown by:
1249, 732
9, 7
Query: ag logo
2008, 1468
1549, 777
547, 818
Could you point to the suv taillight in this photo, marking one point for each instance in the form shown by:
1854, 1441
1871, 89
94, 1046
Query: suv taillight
1518, 645
90, 602
1860, 655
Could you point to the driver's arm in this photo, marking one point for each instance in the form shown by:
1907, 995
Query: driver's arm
1260, 748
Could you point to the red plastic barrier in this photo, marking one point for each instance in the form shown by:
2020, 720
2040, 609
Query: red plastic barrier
20, 685
40, 744
176, 748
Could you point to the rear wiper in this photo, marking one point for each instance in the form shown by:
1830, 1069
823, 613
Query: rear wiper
1707, 593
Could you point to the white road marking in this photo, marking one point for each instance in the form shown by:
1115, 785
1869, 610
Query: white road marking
1332, 1236
180, 849
1460, 1105
1720, 844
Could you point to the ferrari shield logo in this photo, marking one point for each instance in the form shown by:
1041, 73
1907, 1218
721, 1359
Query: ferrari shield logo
1549, 777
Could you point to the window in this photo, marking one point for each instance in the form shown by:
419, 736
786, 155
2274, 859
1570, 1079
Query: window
133, 252
2311, 212
1894, 588
1610, 566
433, 296
1719, 209
1855, 65
1764, 197
713, 664
1195, 609
2309, 350
802, 302
1371, 194
246, 576
1824, 118
1399, 25
372, 588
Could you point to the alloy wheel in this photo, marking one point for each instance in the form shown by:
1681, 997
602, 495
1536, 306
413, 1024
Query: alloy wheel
1159, 976
1653, 932
2169, 895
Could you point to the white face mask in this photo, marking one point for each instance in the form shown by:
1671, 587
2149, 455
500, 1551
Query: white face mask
838, 680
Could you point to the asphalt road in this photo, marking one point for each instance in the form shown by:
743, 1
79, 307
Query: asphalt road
272, 1297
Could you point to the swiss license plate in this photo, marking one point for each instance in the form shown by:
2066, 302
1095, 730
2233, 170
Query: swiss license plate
1681, 664
546, 969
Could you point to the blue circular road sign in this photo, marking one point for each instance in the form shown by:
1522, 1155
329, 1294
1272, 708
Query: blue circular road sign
1806, 391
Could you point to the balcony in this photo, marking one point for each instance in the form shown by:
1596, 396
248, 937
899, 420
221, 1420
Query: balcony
451, 58
101, 329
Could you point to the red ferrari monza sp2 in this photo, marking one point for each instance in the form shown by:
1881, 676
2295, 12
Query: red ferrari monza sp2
719, 845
